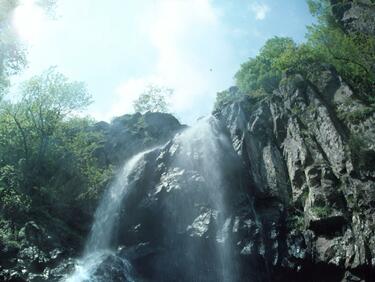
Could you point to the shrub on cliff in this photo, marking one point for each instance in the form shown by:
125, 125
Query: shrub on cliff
47, 160
153, 99
260, 72
352, 54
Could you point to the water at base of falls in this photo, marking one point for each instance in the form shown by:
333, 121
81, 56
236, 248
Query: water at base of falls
102, 266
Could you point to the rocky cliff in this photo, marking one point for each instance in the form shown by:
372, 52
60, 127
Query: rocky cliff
279, 189
355, 16
314, 173
298, 186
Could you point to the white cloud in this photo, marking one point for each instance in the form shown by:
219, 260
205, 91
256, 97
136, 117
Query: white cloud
190, 47
260, 10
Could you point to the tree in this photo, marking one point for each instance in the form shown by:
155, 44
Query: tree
12, 54
12, 51
30, 124
259, 73
351, 53
153, 99
227, 96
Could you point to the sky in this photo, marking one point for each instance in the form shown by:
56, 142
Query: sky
119, 47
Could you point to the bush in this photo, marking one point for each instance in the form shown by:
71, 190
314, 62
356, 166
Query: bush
351, 53
356, 116
13, 205
323, 211
260, 73
227, 96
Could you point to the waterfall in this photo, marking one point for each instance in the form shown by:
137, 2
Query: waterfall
200, 151
98, 245
109, 207
204, 148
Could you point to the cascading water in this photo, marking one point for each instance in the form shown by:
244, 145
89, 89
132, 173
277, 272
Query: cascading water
98, 246
197, 154
202, 149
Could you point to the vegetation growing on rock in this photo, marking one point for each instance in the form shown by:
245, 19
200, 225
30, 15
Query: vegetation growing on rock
153, 99
352, 54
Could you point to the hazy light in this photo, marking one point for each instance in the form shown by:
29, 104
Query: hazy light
28, 20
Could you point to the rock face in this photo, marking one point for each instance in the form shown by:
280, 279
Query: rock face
276, 190
180, 207
35, 259
355, 16
281, 189
129, 134
304, 165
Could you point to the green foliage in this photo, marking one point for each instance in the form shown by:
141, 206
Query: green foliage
48, 162
260, 73
153, 99
13, 204
320, 9
53, 96
227, 96
8, 235
299, 59
12, 51
12, 54
259, 76
296, 222
357, 115
78, 147
223, 98
29, 127
351, 53
363, 158
321, 211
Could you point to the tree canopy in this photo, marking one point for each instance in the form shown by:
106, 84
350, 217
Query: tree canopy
153, 99
12, 51
352, 54
259, 73
36, 131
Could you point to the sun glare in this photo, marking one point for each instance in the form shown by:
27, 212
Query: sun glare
28, 21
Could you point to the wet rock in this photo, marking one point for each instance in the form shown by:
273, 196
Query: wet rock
201, 225
297, 153
138, 251
113, 268
130, 134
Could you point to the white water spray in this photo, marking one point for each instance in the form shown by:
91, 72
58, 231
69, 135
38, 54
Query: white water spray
98, 246
201, 148
204, 148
